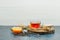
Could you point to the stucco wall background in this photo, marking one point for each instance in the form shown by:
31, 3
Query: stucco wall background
14, 12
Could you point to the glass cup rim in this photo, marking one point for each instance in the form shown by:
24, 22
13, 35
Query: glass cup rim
35, 21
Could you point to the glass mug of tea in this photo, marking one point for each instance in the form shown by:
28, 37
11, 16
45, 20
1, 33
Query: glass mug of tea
35, 24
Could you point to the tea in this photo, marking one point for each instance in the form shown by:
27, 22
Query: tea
35, 25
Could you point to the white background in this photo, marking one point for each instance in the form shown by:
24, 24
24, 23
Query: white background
15, 12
